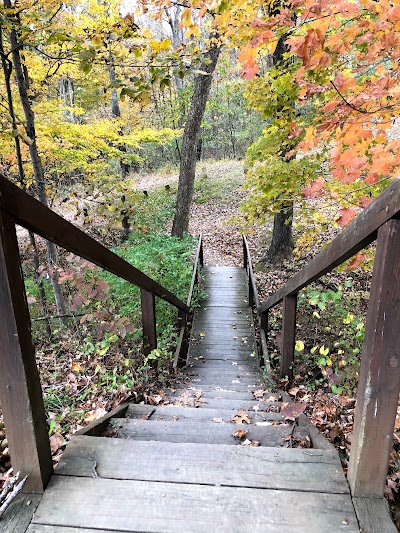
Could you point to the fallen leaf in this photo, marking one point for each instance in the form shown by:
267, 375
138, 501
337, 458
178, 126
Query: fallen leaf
56, 441
248, 442
290, 411
239, 433
96, 413
241, 418
76, 367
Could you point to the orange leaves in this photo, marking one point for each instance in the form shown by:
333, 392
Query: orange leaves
310, 48
315, 188
393, 14
355, 262
346, 216
248, 59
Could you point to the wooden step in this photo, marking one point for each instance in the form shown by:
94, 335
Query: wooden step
172, 412
238, 405
213, 393
158, 507
197, 431
208, 464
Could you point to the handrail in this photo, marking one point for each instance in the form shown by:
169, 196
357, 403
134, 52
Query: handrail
379, 376
20, 390
182, 346
254, 300
356, 236
34, 216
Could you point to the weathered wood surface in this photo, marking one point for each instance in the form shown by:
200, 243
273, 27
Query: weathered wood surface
20, 390
224, 465
34, 216
356, 236
240, 405
373, 515
18, 516
288, 335
198, 431
220, 394
41, 528
181, 351
175, 507
148, 304
169, 412
96, 428
378, 385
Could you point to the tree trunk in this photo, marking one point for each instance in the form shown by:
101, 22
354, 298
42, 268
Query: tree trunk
36, 161
7, 71
282, 243
116, 111
66, 91
189, 143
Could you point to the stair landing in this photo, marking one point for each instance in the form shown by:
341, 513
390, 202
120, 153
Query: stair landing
216, 458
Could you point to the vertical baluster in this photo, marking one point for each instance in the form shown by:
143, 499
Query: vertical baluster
20, 391
201, 254
148, 321
378, 386
288, 335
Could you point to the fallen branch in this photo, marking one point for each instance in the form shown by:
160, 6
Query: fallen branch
10, 492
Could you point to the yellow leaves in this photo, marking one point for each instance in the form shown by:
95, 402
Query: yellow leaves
299, 346
76, 367
158, 46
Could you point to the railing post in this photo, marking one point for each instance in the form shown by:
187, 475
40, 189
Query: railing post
148, 303
288, 335
201, 254
20, 391
378, 387
264, 322
245, 260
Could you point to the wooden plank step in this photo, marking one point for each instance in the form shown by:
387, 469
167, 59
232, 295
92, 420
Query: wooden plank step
19, 514
226, 329
239, 405
145, 506
220, 356
197, 431
169, 412
227, 372
42, 528
230, 302
216, 365
236, 345
233, 387
209, 464
200, 382
221, 394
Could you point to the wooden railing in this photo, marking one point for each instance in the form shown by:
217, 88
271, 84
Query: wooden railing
379, 377
182, 348
254, 301
20, 391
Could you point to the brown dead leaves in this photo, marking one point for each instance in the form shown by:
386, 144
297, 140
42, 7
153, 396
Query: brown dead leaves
241, 418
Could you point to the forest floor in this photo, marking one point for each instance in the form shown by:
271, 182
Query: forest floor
330, 319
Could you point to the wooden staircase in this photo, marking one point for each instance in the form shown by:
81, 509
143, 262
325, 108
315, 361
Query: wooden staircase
183, 466
215, 456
